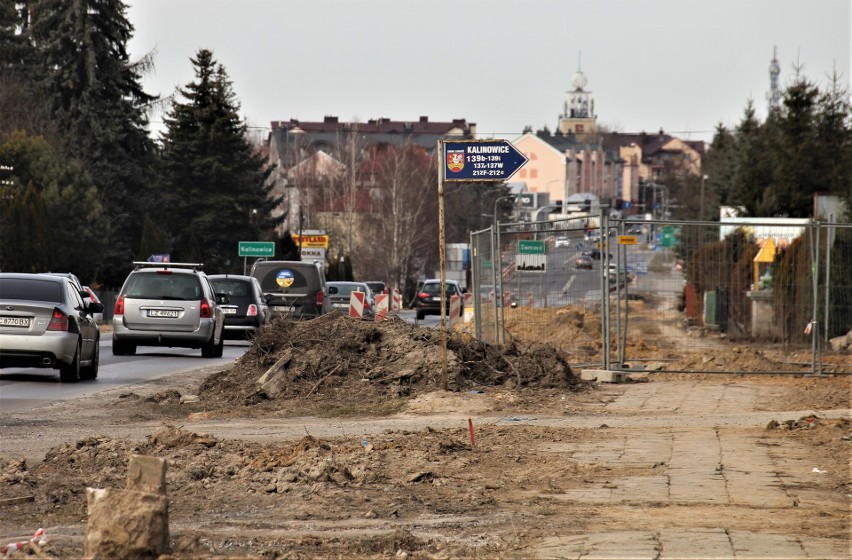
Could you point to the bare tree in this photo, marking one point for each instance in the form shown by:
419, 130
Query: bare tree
404, 229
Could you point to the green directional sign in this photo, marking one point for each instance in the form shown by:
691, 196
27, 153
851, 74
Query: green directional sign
667, 237
529, 247
257, 248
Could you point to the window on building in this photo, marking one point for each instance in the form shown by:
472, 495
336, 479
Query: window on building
533, 173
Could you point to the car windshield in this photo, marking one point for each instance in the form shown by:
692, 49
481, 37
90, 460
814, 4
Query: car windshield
376, 286
163, 286
31, 290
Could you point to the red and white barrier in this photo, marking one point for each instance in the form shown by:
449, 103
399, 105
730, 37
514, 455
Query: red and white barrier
467, 311
39, 538
382, 307
356, 305
396, 301
455, 308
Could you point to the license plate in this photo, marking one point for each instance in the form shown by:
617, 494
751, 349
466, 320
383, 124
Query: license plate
283, 309
14, 321
340, 304
167, 313
229, 311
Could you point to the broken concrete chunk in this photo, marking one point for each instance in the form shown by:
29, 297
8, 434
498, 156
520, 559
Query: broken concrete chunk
147, 474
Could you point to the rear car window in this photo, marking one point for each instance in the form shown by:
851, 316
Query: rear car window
435, 288
33, 290
344, 290
163, 286
287, 278
231, 287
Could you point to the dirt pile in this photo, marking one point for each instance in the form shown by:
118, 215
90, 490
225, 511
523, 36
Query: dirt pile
352, 361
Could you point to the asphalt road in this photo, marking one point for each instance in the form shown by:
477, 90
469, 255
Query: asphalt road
26, 388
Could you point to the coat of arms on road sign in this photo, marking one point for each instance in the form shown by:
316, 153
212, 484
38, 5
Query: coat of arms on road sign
455, 160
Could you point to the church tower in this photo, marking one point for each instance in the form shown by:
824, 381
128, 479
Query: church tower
578, 111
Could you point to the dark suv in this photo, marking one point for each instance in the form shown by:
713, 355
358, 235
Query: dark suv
171, 305
294, 288
428, 299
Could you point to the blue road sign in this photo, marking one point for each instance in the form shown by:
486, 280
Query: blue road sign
481, 160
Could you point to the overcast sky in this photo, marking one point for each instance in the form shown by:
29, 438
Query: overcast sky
680, 65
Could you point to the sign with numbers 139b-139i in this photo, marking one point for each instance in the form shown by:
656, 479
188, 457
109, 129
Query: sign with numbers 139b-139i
481, 160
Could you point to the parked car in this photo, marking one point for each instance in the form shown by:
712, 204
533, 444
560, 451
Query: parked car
246, 310
168, 305
428, 299
378, 287
294, 288
583, 261
45, 323
93, 297
340, 293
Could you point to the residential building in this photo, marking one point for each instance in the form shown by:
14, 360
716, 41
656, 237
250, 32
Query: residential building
561, 165
304, 151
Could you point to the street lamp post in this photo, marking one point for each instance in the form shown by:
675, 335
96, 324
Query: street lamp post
701, 203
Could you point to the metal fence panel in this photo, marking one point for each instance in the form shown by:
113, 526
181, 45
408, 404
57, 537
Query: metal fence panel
681, 296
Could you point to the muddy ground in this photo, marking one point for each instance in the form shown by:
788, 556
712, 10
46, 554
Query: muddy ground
352, 447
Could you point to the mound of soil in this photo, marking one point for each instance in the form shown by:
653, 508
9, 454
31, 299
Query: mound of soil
365, 363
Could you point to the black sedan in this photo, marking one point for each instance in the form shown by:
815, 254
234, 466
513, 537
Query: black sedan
246, 310
46, 323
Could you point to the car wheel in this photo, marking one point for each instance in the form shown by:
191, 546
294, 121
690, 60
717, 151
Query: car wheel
70, 373
208, 350
220, 348
121, 348
420, 315
91, 371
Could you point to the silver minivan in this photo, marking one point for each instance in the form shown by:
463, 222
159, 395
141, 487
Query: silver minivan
171, 305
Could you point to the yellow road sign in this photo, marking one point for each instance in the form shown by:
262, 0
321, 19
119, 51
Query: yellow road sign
627, 240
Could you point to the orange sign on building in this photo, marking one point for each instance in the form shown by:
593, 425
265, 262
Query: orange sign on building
313, 241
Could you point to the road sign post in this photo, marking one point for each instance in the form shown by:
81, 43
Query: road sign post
481, 160
255, 249
469, 161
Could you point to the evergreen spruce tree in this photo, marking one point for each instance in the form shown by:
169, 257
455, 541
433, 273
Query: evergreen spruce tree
154, 241
289, 249
752, 185
62, 208
719, 166
797, 175
214, 185
834, 138
95, 95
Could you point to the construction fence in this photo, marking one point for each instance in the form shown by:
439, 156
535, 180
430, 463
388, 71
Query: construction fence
694, 297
